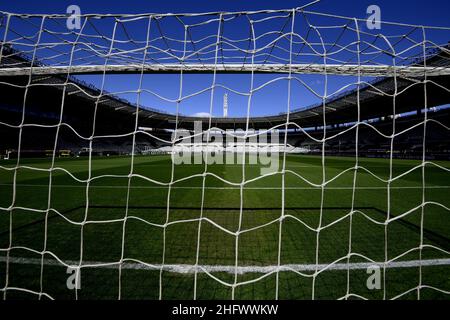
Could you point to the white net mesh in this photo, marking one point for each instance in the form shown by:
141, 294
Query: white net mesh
333, 59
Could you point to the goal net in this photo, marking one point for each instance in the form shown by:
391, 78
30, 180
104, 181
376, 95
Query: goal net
327, 178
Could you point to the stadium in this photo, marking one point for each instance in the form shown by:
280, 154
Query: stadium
111, 189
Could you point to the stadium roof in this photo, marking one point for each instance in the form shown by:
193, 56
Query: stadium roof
375, 98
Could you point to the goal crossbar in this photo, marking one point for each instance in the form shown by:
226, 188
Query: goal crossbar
337, 69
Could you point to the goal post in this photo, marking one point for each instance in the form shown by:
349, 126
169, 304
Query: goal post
332, 69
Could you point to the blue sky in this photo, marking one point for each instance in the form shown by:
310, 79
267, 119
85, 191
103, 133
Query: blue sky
272, 99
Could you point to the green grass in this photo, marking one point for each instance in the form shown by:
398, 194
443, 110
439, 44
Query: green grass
144, 240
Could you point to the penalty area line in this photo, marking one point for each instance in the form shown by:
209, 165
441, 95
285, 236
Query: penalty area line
189, 269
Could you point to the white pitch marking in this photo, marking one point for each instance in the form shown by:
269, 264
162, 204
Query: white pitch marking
187, 268
220, 188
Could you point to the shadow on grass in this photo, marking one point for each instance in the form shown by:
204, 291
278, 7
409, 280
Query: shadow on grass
435, 237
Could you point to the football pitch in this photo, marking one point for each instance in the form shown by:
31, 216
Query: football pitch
323, 225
